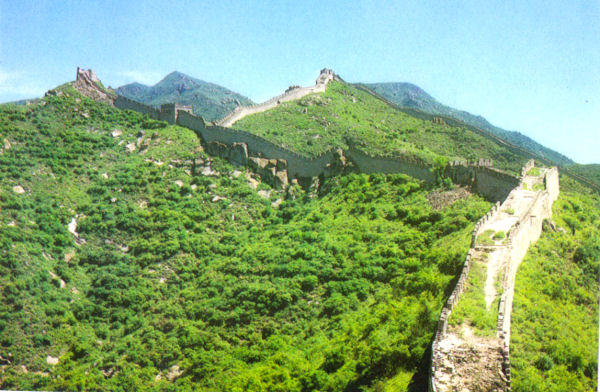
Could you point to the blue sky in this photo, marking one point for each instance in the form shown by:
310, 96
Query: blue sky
531, 66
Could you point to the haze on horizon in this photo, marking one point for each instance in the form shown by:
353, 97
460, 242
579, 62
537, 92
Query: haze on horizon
526, 67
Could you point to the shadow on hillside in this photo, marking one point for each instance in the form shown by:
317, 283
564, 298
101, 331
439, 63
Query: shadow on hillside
420, 379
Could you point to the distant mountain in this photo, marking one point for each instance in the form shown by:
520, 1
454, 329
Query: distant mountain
24, 101
411, 96
208, 100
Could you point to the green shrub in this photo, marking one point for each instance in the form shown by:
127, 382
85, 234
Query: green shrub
485, 238
499, 235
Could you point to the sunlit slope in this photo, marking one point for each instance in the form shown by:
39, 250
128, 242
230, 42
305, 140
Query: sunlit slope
589, 171
131, 260
344, 114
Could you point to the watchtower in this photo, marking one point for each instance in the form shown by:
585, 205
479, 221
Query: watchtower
169, 111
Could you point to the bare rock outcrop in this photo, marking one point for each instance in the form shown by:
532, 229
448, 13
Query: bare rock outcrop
236, 154
272, 171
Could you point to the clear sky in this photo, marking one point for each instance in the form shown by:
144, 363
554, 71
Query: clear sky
531, 66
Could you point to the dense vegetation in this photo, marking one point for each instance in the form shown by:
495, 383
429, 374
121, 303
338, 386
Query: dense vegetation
344, 114
554, 335
411, 96
183, 280
208, 100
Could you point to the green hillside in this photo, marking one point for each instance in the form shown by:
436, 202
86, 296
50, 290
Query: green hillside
178, 280
208, 100
132, 260
590, 172
554, 337
411, 96
344, 114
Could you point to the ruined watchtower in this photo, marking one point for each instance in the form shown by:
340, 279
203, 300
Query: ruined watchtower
169, 111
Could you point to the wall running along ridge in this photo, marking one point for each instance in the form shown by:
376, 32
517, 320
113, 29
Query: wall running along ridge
240, 112
526, 230
129, 104
493, 184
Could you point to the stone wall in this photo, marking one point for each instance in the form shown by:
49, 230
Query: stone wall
527, 230
528, 166
370, 164
297, 165
491, 183
240, 112
129, 104
460, 287
170, 111
524, 232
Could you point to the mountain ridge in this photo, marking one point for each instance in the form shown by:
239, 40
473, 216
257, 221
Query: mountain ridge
412, 96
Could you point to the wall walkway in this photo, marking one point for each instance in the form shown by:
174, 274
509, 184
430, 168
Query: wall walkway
460, 359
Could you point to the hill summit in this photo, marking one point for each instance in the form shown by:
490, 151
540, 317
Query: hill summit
208, 100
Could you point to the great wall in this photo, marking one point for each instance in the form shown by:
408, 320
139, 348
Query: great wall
293, 93
484, 179
459, 360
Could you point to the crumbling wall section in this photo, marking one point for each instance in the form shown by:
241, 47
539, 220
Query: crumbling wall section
493, 184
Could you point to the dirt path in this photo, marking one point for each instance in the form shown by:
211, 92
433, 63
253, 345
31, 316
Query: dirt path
494, 264
512, 209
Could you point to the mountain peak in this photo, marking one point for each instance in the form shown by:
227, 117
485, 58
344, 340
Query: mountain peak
208, 100
411, 96
177, 75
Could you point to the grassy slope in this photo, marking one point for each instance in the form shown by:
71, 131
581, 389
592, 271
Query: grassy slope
333, 293
343, 113
554, 337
